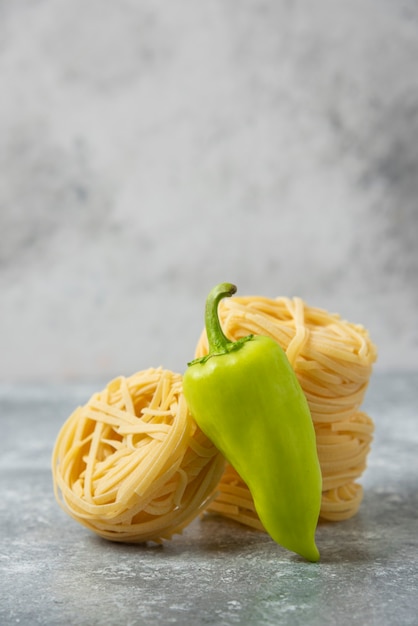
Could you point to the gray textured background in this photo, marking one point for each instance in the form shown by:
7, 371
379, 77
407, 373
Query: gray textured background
151, 149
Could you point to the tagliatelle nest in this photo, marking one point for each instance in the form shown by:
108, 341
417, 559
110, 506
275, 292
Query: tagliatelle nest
131, 464
333, 360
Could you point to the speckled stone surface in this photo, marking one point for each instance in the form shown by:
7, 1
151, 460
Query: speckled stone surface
55, 572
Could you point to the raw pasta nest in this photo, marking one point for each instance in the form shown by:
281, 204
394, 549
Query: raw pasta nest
131, 464
333, 361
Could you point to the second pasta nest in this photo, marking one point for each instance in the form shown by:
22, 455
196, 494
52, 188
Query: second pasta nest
131, 464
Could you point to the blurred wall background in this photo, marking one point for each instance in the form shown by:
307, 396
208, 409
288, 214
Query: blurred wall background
151, 149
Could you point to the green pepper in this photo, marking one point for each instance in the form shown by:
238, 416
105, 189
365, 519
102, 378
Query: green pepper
246, 398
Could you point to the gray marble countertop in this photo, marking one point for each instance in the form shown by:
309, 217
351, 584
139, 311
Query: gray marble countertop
53, 571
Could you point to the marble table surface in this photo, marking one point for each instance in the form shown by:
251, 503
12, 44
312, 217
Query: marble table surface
53, 571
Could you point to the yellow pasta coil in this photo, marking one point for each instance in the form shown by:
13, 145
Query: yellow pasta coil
333, 360
131, 464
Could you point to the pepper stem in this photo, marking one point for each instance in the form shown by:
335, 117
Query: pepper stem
217, 340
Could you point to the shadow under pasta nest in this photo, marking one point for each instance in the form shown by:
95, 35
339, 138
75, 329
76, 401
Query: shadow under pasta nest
207, 534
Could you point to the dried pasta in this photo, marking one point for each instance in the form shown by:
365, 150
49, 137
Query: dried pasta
131, 464
333, 360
